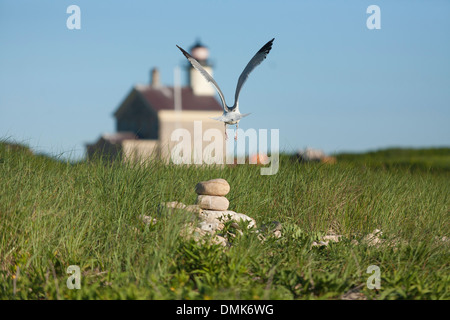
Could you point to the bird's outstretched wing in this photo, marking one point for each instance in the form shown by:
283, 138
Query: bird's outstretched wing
206, 75
254, 62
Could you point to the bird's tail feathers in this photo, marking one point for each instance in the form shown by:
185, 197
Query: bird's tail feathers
226, 119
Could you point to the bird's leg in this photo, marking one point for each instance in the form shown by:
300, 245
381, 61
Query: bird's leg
235, 136
226, 135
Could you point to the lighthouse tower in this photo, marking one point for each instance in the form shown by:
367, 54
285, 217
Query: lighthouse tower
199, 85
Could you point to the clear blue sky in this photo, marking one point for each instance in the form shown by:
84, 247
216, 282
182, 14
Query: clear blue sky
328, 83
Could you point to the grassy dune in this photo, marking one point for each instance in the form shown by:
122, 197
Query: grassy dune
55, 214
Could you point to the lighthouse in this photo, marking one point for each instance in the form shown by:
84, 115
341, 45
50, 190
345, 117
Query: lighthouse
199, 85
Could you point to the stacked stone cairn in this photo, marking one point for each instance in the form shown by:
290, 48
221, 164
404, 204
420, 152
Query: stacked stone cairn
211, 200
214, 211
211, 211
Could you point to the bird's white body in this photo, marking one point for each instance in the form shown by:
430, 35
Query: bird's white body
231, 115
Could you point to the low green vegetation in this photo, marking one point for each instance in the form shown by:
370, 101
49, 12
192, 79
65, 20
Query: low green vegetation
426, 160
54, 214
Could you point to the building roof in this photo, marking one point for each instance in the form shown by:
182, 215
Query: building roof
162, 98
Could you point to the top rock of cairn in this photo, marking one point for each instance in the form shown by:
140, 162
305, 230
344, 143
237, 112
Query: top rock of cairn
214, 187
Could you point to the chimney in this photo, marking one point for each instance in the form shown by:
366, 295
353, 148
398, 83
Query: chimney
154, 78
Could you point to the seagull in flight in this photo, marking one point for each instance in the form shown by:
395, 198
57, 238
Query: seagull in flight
231, 115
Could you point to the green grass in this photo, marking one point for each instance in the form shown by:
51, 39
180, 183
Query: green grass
426, 160
54, 214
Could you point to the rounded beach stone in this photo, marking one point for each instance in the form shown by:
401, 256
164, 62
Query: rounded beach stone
212, 202
241, 216
225, 215
193, 208
214, 187
214, 214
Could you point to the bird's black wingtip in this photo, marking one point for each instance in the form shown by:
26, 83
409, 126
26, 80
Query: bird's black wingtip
183, 51
267, 47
